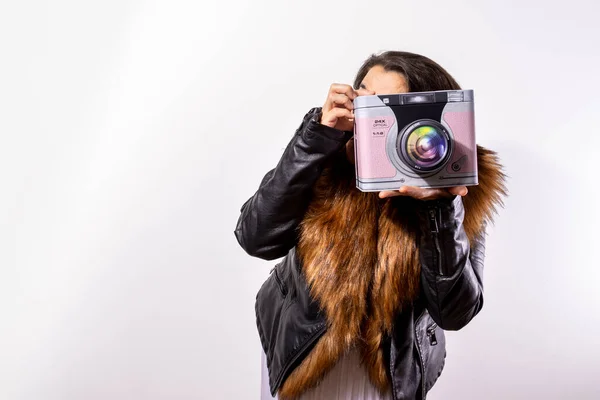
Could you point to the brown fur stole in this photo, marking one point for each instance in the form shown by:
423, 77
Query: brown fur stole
360, 257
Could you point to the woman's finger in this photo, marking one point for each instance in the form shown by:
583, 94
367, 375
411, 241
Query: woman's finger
342, 100
423, 193
343, 89
335, 89
416, 192
331, 117
458, 190
389, 193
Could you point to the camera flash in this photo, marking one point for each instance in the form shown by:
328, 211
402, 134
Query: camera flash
419, 98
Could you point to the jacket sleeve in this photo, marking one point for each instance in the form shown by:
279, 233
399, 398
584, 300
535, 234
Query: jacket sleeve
267, 226
451, 266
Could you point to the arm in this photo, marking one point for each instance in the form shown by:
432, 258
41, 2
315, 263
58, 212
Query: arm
267, 225
451, 267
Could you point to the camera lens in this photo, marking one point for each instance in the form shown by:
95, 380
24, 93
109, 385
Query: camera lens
425, 146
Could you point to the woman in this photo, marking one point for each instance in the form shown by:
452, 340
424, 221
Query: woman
358, 305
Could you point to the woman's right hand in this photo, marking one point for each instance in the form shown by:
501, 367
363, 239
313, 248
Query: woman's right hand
338, 110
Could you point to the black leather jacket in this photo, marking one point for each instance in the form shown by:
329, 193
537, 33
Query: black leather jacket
290, 322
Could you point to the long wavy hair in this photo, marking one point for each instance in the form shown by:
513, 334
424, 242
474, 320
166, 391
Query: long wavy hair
422, 74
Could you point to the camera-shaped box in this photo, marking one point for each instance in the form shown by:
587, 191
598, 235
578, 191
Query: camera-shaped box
423, 139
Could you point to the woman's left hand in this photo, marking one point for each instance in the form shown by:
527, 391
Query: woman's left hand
425, 193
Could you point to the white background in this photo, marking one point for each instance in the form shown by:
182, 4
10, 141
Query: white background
132, 132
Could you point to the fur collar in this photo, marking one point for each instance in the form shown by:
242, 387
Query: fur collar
360, 257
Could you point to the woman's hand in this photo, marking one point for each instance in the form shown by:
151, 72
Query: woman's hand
425, 193
338, 110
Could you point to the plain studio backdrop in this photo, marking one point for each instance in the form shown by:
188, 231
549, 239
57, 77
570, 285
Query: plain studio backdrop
133, 131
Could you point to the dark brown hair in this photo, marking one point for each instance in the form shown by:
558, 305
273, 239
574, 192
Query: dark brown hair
422, 74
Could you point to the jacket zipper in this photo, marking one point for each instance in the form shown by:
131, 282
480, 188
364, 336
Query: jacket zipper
431, 334
435, 231
422, 362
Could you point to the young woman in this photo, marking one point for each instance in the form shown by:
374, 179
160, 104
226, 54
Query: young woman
358, 306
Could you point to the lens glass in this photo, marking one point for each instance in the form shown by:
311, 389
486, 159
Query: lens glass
426, 147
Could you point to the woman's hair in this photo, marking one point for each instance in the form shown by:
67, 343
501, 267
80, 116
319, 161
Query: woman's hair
421, 73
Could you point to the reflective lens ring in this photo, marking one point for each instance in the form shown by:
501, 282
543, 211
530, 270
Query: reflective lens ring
424, 146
